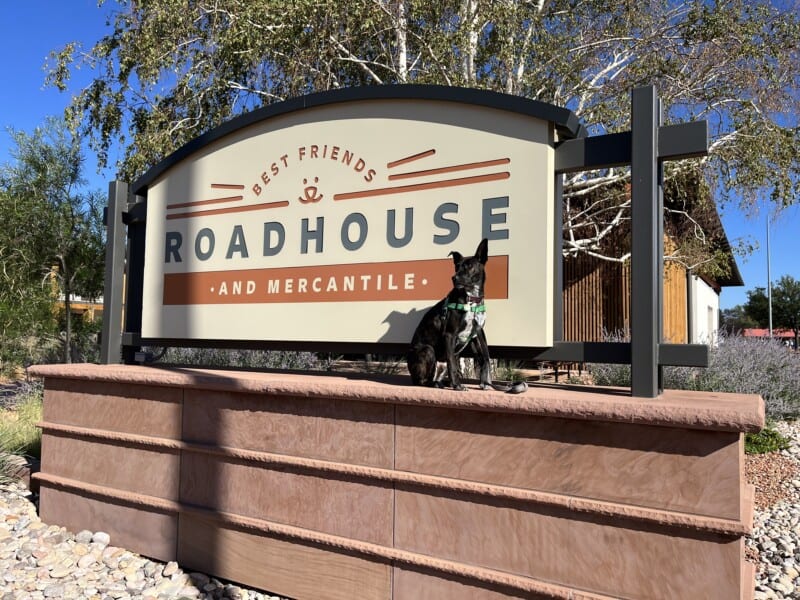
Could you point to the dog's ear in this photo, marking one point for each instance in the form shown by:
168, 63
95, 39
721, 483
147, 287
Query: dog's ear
457, 258
482, 253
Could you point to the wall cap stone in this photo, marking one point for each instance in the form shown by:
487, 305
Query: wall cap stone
673, 408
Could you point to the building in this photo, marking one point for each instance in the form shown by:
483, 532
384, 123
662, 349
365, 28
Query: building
784, 335
597, 292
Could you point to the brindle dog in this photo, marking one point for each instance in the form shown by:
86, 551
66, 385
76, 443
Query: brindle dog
454, 324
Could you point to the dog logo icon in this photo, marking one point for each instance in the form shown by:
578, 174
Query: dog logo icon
310, 192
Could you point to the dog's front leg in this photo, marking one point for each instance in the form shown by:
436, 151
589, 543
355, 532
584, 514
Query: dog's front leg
480, 348
450, 341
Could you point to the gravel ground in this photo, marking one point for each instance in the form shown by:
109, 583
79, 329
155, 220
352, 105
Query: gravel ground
774, 544
39, 561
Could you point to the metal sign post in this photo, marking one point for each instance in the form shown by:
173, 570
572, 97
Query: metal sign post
645, 147
111, 337
647, 244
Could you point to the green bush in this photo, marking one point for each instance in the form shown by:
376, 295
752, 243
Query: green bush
509, 370
18, 432
766, 440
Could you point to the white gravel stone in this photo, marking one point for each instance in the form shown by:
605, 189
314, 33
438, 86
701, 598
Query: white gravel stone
41, 562
102, 538
776, 535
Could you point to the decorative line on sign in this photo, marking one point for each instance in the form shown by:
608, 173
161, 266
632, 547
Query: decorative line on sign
408, 159
234, 209
204, 202
451, 169
227, 186
415, 187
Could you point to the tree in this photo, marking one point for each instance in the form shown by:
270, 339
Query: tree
58, 237
734, 320
170, 70
786, 305
757, 306
25, 304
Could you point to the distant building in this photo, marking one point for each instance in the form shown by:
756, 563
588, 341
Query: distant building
785, 335
86, 308
597, 292
89, 309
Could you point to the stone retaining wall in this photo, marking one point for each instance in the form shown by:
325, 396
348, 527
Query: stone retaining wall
328, 486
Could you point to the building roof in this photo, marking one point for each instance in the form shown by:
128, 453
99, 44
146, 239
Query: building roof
720, 239
762, 333
691, 203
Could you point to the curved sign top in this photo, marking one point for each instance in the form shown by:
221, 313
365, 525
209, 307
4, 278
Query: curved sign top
330, 218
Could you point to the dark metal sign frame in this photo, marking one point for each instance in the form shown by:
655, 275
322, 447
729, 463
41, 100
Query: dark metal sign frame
645, 147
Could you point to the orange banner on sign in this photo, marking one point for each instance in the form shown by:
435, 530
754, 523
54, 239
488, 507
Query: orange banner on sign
366, 282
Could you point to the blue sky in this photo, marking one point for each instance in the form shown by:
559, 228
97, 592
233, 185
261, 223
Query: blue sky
30, 29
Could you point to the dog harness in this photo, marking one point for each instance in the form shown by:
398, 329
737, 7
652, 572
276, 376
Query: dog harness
472, 321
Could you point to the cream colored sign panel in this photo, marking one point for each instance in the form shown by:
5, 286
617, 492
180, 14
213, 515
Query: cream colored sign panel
335, 223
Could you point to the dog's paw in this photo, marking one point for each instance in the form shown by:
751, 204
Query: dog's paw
460, 387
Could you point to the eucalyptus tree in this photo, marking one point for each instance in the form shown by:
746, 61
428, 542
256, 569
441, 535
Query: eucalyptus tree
57, 238
25, 304
169, 70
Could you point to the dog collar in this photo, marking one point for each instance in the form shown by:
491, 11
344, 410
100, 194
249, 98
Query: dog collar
469, 307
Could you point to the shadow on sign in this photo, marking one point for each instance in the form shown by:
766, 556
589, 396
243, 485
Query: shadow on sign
401, 324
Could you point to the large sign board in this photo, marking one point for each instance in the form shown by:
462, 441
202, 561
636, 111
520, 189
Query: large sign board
334, 223
324, 222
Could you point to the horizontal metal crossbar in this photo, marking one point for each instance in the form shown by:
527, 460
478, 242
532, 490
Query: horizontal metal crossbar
679, 355
684, 140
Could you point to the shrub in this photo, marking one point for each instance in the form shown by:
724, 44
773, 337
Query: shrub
747, 366
7, 464
611, 374
508, 370
245, 359
18, 431
737, 365
766, 440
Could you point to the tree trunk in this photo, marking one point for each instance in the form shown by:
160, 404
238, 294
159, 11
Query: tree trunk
67, 313
67, 329
402, 42
470, 19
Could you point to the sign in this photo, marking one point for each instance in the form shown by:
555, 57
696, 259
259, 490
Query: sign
334, 223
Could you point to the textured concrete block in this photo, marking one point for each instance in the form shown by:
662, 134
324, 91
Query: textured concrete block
346, 431
280, 566
348, 508
146, 471
678, 469
114, 406
140, 530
